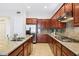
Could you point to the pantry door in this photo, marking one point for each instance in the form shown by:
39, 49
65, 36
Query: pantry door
2, 29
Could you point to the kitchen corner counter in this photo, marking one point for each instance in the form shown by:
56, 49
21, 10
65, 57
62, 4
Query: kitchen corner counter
7, 46
72, 46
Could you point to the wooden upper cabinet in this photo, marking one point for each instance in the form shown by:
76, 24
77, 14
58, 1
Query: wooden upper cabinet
44, 23
76, 14
61, 11
68, 7
31, 21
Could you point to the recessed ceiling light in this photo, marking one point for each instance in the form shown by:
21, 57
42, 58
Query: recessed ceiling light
28, 7
45, 6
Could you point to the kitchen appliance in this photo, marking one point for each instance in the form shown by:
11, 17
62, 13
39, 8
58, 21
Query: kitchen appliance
31, 30
66, 17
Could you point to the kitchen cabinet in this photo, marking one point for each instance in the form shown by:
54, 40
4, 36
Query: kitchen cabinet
17, 52
76, 13
61, 10
67, 52
44, 23
58, 49
54, 47
24, 50
42, 38
50, 42
21, 53
47, 23
27, 47
56, 24
68, 7
31, 21
54, 21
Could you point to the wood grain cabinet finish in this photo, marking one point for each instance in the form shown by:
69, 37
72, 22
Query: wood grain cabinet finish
17, 52
21, 53
42, 38
29, 46
58, 49
44, 23
67, 52
76, 13
54, 20
31, 21
68, 7
24, 50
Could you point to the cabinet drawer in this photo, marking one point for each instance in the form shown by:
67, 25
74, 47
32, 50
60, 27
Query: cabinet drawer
16, 51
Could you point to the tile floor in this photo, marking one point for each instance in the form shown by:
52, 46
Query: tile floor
41, 49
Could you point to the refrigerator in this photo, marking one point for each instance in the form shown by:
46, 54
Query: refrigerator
33, 31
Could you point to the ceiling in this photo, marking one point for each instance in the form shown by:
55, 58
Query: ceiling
34, 10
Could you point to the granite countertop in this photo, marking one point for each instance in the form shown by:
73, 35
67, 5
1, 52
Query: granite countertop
74, 36
7, 46
73, 46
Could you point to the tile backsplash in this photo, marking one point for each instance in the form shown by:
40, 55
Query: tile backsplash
70, 29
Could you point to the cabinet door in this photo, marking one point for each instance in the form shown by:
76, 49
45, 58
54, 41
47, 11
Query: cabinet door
29, 47
58, 51
54, 48
42, 38
25, 49
76, 14
21, 53
31, 21
16, 52
68, 7
67, 52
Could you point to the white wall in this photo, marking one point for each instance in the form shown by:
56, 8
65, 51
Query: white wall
17, 22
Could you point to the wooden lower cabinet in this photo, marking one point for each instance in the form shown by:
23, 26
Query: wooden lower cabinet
24, 50
67, 52
42, 38
58, 49
17, 52
54, 47
21, 53
29, 47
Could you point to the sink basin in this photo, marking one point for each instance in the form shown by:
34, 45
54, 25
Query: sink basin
18, 39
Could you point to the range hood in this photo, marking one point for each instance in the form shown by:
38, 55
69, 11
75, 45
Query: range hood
67, 20
66, 17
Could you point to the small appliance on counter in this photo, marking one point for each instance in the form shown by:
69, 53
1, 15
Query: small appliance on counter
28, 32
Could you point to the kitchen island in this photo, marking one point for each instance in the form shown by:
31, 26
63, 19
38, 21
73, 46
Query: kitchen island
16, 48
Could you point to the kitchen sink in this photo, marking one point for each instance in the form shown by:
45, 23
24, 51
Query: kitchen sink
18, 39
